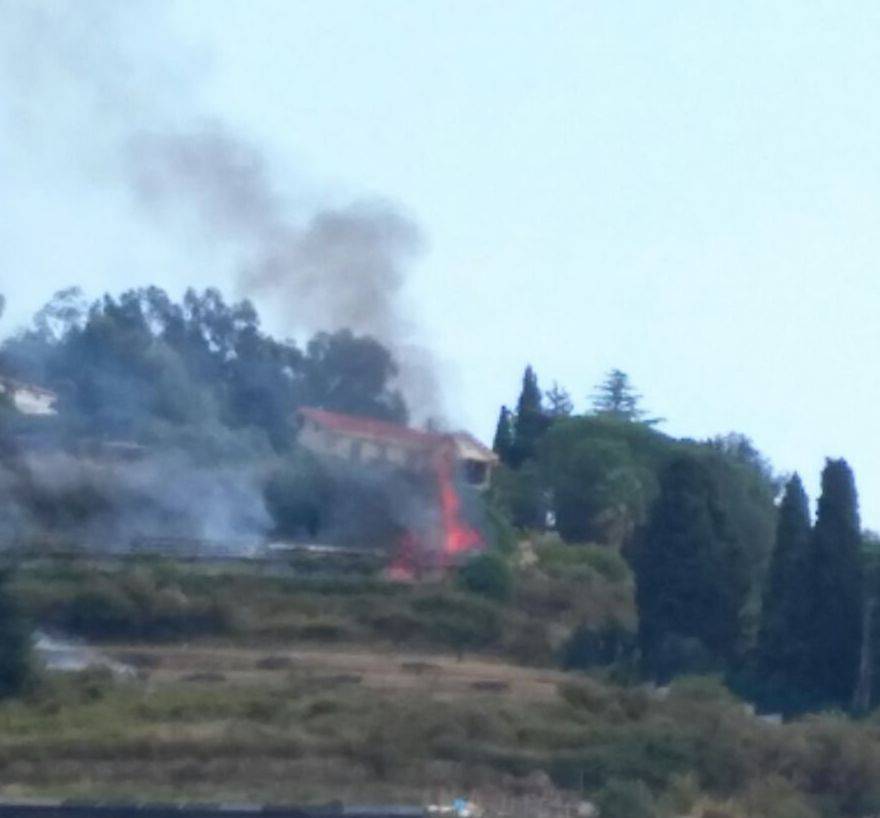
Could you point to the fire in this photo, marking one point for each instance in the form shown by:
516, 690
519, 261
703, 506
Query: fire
456, 536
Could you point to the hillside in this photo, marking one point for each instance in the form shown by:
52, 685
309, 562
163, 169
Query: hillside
293, 698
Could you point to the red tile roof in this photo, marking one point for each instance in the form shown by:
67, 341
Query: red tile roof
371, 428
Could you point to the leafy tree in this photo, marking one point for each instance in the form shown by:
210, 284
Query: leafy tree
502, 444
559, 403
531, 422
15, 642
692, 576
596, 492
601, 474
837, 592
142, 367
350, 374
616, 397
784, 639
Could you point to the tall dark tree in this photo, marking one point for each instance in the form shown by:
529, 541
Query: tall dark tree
617, 398
785, 633
502, 444
692, 575
531, 422
837, 587
559, 403
15, 642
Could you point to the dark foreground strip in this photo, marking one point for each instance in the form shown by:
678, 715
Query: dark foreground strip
66, 810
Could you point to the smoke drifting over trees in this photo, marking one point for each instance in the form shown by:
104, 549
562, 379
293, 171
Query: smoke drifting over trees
176, 419
148, 136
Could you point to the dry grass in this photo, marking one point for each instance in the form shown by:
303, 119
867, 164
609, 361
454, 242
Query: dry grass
380, 670
218, 724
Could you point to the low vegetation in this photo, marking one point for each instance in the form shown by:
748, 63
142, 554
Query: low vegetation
637, 751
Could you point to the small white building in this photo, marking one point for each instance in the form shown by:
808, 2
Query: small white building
27, 398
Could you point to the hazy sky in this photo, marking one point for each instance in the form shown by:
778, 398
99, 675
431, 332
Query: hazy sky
686, 191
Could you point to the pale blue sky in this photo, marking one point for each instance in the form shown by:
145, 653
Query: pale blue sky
686, 191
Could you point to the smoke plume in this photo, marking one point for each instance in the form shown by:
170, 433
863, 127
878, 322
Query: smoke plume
102, 100
98, 504
333, 268
123, 87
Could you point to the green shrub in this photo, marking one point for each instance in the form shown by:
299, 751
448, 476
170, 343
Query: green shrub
587, 695
487, 574
560, 560
530, 645
460, 621
134, 606
623, 798
589, 647
774, 797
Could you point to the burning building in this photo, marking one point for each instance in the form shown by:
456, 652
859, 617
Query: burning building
365, 441
446, 461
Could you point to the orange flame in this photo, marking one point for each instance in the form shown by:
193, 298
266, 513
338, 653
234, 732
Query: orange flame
457, 537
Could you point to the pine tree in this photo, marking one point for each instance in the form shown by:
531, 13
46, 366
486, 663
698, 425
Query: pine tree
692, 578
837, 587
502, 445
784, 637
559, 403
615, 397
531, 422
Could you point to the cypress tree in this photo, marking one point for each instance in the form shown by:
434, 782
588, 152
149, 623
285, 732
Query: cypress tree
502, 445
837, 587
15, 644
784, 637
691, 575
531, 422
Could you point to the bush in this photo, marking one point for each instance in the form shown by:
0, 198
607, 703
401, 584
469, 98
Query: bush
587, 695
775, 797
15, 643
489, 575
598, 647
531, 645
133, 606
500, 531
683, 655
557, 559
459, 621
622, 798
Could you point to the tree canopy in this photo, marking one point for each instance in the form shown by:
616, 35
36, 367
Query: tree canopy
140, 366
